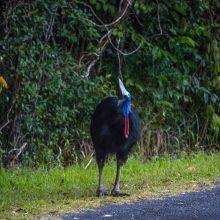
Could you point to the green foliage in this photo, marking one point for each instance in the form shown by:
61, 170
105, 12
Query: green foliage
46, 47
214, 120
53, 101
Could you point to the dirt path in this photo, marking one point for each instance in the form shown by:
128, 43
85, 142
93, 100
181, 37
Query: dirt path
194, 205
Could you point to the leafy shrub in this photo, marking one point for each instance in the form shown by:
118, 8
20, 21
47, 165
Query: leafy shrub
46, 47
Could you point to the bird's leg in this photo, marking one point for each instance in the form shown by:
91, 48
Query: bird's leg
101, 190
116, 190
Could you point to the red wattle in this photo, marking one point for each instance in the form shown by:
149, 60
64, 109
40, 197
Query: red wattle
126, 127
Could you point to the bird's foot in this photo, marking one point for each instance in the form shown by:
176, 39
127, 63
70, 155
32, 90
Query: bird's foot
116, 193
101, 192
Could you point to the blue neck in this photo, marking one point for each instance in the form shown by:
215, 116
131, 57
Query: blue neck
126, 106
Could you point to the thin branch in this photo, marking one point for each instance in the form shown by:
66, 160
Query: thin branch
120, 5
8, 120
19, 150
107, 36
91, 158
158, 18
119, 60
138, 20
58, 157
125, 53
129, 3
49, 31
116, 21
159, 24
95, 60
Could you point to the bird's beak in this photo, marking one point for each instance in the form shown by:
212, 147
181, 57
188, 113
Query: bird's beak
123, 91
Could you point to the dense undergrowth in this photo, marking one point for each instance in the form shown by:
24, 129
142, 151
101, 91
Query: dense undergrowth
58, 64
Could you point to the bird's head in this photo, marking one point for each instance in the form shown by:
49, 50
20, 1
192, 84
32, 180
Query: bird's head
124, 99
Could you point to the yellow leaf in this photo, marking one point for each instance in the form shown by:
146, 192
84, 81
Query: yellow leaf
191, 169
3, 83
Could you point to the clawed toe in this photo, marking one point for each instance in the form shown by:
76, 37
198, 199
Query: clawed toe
101, 193
119, 194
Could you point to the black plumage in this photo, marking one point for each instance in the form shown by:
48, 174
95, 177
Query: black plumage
108, 134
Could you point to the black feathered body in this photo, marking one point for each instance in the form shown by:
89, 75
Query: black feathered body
107, 129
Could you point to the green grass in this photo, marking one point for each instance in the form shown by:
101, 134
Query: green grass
25, 191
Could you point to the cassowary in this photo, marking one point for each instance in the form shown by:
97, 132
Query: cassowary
115, 128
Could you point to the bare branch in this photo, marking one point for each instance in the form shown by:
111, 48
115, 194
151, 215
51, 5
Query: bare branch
158, 17
18, 150
119, 60
8, 120
49, 31
159, 23
124, 12
117, 20
123, 9
125, 53
13, 155
58, 157
94, 61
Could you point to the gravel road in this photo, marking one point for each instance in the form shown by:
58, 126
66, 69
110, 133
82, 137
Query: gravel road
193, 205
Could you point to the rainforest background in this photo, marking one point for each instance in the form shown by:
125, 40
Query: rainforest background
58, 59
